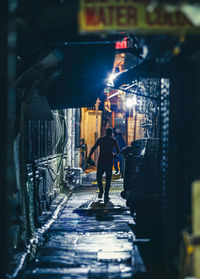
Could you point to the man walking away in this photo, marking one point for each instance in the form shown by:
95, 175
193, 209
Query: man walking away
105, 161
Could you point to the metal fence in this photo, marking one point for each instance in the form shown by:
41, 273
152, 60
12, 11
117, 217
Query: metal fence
50, 147
47, 138
146, 173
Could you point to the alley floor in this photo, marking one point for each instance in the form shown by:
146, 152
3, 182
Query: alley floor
90, 239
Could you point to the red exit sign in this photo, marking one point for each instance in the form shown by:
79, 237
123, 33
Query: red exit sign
121, 44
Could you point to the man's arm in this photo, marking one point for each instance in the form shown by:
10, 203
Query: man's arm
117, 148
93, 148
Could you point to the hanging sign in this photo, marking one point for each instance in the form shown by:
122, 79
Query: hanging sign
130, 15
121, 44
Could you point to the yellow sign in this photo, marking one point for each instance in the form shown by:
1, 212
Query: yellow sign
130, 15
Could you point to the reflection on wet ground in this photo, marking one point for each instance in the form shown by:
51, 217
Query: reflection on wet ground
90, 239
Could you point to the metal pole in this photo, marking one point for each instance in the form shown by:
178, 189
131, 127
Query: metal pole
96, 132
135, 123
126, 127
113, 119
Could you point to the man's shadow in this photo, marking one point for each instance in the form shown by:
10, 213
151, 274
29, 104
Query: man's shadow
103, 211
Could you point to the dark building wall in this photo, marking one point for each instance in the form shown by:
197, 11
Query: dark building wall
184, 150
7, 120
41, 151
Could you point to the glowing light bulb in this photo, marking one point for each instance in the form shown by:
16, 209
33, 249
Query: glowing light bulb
111, 78
131, 101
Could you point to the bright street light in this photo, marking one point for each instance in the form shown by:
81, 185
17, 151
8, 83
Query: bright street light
111, 78
131, 101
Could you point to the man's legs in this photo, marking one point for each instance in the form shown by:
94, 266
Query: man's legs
100, 171
108, 180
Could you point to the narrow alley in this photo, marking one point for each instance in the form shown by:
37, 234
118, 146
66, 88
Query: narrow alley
99, 145
90, 239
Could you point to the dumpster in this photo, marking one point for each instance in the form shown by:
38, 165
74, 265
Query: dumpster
142, 172
142, 189
133, 156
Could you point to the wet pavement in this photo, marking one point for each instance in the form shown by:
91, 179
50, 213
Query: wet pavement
90, 239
